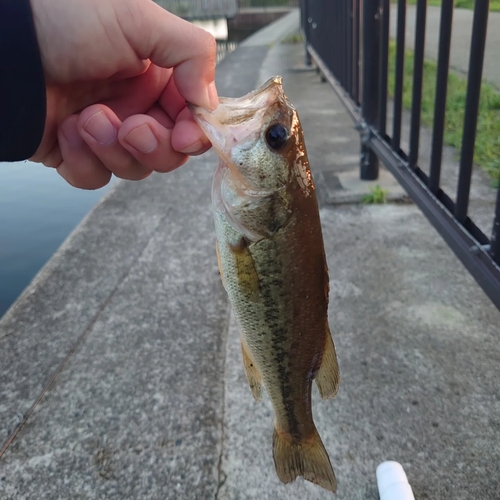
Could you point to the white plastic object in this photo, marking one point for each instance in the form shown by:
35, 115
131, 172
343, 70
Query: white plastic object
392, 482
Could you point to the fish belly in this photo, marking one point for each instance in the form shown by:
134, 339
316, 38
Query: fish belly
283, 334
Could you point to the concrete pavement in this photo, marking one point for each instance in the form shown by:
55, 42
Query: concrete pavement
126, 342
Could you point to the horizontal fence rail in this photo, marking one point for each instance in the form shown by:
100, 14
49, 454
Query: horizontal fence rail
349, 43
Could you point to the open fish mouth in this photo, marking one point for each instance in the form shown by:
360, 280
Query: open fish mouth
238, 120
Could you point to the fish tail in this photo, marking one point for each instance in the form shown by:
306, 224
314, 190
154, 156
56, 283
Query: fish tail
307, 458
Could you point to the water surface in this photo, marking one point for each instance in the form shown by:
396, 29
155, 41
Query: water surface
38, 210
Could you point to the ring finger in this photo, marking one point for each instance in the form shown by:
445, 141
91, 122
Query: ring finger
99, 126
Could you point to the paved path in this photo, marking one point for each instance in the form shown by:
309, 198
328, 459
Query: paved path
149, 399
461, 37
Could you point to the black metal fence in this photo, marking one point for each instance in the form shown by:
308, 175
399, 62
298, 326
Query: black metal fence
349, 42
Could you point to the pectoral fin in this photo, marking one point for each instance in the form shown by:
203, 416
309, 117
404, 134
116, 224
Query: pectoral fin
253, 376
248, 279
328, 376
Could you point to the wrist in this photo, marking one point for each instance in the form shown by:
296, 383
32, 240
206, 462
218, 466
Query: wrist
22, 84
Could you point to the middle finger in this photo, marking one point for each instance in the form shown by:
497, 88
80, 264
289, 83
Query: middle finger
99, 126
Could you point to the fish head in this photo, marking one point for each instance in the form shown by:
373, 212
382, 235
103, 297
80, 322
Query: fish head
258, 137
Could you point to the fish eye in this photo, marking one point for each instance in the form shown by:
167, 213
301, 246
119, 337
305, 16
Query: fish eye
276, 136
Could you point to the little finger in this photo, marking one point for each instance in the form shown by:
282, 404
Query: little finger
98, 125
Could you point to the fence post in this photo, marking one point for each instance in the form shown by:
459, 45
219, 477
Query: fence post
370, 29
305, 29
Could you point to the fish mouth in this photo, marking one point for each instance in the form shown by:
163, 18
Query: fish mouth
237, 121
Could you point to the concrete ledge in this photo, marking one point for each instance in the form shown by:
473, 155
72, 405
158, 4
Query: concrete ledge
276, 31
346, 187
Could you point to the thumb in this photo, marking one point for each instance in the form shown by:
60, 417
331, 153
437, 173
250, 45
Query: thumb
170, 42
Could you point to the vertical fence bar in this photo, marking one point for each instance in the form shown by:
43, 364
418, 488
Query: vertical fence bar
370, 68
335, 40
341, 41
305, 29
348, 22
355, 49
418, 73
495, 234
475, 75
323, 19
345, 42
384, 61
329, 15
441, 88
399, 74
326, 41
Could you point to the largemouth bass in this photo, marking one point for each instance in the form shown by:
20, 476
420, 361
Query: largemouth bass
273, 267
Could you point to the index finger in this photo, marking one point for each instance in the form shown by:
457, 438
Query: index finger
171, 42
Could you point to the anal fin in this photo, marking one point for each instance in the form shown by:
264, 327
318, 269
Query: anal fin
328, 376
253, 376
307, 458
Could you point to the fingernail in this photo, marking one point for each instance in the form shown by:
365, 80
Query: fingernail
100, 128
142, 139
213, 97
193, 148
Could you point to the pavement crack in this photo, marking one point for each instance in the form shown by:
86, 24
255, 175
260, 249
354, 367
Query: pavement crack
78, 342
221, 475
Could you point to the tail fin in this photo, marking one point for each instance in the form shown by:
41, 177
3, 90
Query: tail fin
307, 458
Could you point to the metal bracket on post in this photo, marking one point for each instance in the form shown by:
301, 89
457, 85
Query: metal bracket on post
369, 163
367, 158
365, 132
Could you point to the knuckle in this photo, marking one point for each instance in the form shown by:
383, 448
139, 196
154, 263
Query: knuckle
133, 173
128, 168
89, 183
84, 176
174, 162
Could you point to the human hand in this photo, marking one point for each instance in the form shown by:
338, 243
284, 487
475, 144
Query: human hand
118, 75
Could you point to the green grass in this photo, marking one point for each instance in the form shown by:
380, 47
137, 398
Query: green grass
487, 153
294, 38
376, 196
460, 4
